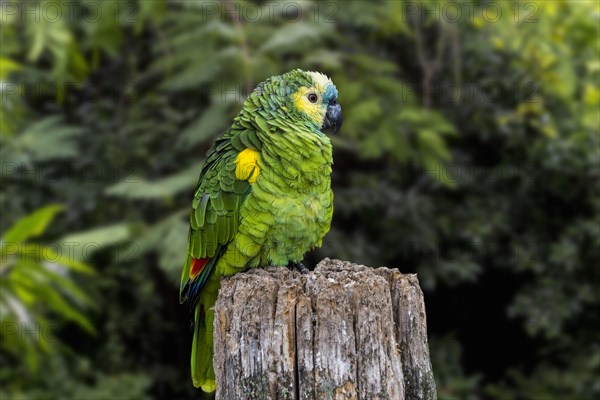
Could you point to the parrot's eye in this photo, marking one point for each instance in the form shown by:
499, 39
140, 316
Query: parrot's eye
312, 97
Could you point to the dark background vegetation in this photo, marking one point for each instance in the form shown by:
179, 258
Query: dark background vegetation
469, 155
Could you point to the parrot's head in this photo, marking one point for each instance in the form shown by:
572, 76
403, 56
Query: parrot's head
309, 97
315, 98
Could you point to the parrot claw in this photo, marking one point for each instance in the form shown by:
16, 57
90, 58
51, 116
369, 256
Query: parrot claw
298, 267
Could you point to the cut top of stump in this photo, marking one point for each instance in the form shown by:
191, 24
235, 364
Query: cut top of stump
342, 331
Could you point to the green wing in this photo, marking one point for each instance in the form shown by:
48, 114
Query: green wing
214, 218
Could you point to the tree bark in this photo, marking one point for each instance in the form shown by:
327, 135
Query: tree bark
343, 331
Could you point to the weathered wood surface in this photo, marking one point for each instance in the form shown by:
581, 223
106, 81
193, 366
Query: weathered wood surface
343, 331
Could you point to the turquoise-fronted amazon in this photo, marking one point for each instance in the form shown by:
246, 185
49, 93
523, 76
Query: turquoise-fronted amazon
263, 198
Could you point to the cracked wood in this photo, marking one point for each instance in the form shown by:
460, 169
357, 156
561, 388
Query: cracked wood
343, 331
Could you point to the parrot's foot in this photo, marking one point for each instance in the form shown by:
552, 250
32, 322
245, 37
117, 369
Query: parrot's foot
298, 267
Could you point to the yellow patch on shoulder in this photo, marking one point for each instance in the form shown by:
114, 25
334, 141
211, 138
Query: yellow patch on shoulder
246, 165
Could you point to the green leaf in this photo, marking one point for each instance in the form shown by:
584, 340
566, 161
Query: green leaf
212, 120
32, 225
67, 260
161, 188
83, 244
290, 36
45, 140
7, 66
437, 170
193, 75
430, 142
37, 32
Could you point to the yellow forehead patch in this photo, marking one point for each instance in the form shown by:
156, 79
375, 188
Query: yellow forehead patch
246, 165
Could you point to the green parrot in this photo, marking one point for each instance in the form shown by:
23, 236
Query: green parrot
263, 197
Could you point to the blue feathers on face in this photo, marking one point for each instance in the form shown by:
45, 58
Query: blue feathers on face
331, 93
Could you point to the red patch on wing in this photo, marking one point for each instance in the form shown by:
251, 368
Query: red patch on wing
198, 265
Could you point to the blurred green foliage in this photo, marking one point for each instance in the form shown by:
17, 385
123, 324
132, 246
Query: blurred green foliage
469, 151
34, 282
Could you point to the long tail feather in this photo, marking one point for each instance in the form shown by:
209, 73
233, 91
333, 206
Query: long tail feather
203, 374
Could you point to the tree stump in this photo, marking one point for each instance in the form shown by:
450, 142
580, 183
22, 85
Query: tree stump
342, 331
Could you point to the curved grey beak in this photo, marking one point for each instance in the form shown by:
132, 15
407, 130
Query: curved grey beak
333, 118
